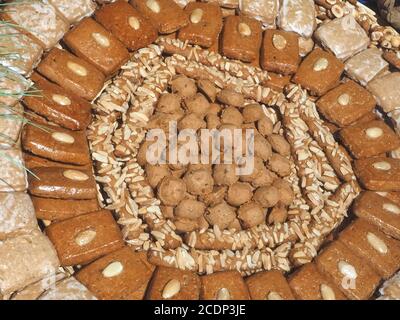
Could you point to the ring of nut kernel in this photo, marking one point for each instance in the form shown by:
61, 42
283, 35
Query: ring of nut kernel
124, 189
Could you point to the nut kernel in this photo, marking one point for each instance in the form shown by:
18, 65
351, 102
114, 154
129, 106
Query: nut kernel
196, 15
75, 175
101, 40
153, 6
377, 243
61, 100
63, 137
85, 237
77, 69
244, 29
113, 269
321, 64
279, 42
134, 23
171, 289
374, 132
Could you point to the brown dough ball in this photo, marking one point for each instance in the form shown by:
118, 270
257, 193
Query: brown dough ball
267, 196
225, 174
214, 108
279, 144
232, 115
155, 173
186, 225
277, 215
198, 104
199, 182
239, 193
199, 166
280, 165
183, 86
265, 126
251, 214
286, 193
215, 197
252, 113
262, 148
235, 225
213, 121
162, 120
191, 121
221, 215
167, 212
231, 98
265, 178
169, 103
190, 209
142, 153
259, 167
171, 191
208, 89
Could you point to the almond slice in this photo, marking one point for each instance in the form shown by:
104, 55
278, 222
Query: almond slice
61, 100
113, 269
85, 237
171, 289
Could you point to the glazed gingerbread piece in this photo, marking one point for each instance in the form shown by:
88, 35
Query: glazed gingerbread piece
241, 38
369, 139
126, 24
173, 284
380, 211
228, 285
378, 173
265, 11
280, 52
57, 144
381, 251
82, 239
386, 91
31, 161
121, 275
205, 24
74, 10
94, 44
12, 174
319, 72
308, 284
269, 285
72, 73
393, 58
14, 84
166, 15
59, 209
10, 124
346, 104
61, 183
355, 278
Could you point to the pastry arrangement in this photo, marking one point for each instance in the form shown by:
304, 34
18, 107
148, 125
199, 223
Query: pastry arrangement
84, 213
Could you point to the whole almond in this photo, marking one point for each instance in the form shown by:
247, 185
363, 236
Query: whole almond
77, 69
327, 293
75, 175
382, 165
244, 29
101, 39
321, 64
223, 294
134, 23
347, 269
61, 100
374, 132
63, 137
377, 243
344, 99
274, 296
171, 289
391, 208
85, 237
153, 6
279, 41
113, 269
196, 15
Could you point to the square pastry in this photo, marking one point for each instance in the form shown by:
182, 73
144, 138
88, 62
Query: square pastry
18, 51
121, 275
58, 105
381, 251
386, 91
82, 239
308, 284
24, 260
38, 18
72, 73
369, 139
57, 144
205, 24
241, 38
166, 15
174, 284
280, 52
356, 279
91, 42
17, 214
366, 65
10, 124
67, 289
265, 11
12, 86
13, 173
379, 211
62, 183
298, 16
127, 24
269, 285
319, 72
74, 10
344, 37
228, 285
346, 104
378, 173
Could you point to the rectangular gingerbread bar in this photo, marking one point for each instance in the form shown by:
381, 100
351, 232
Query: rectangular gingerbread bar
60, 183
82, 239
12, 173
121, 275
205, 24
31, 161
381, 251
227, 285
379, 211
241, 38
57, 144
72, 73
369, 139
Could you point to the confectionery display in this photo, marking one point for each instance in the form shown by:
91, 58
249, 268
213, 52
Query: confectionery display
198, 150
